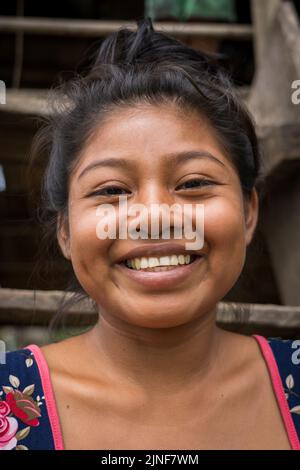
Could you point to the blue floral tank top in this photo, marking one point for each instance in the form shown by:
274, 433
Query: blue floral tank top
28, 412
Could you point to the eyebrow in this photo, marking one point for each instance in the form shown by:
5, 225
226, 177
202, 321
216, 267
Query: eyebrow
173, 159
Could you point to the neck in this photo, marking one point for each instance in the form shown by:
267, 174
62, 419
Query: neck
156, 359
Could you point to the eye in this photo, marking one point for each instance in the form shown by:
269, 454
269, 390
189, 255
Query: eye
109, 191
195, 183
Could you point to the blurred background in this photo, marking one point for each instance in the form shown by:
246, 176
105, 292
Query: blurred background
41, 42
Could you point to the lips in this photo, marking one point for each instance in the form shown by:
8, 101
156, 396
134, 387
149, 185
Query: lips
159, 250
168, 279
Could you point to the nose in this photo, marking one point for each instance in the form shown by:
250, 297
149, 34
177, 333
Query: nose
158, 214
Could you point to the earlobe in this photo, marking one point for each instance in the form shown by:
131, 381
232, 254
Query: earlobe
62, 233
251, 215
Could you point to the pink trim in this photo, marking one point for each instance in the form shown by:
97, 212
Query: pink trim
49, 395
279, 391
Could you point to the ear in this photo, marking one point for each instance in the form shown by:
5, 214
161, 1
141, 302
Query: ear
251, 206
63, 235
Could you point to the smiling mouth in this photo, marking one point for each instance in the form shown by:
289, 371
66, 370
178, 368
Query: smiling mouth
157, 264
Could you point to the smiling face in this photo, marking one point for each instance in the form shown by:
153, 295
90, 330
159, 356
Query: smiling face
157, 155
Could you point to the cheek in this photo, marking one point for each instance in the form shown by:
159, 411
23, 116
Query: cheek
87, 249
224, 231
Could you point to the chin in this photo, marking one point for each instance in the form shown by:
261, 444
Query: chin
157, 316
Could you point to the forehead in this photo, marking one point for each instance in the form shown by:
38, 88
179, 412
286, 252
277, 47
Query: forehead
146, 132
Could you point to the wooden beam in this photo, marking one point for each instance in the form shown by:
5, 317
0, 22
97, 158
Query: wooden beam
26, 307
281, 226
277, 51
93, 28
277, 47
23, 101
34, 101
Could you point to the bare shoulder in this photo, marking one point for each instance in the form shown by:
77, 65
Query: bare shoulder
241, 350
64, 354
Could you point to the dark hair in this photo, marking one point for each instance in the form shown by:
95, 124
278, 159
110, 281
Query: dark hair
132, 67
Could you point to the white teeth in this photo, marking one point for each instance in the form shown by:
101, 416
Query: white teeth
181, 259
144, 263
165, 261
174, 260
152, 262
137, 263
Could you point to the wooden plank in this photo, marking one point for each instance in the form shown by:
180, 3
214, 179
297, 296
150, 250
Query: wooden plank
277, 48
277, 52
93, 28
34, 101
26, 307
280, 316
281, 226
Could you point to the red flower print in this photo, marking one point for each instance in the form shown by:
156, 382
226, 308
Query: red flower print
4, 408
23, 407
8, 428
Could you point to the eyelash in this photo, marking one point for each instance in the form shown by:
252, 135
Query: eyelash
202, 182
100, 192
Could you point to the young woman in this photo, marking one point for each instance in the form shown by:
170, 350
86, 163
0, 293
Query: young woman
158, 123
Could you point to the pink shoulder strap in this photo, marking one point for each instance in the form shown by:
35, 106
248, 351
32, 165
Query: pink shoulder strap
49, 395
279, 391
